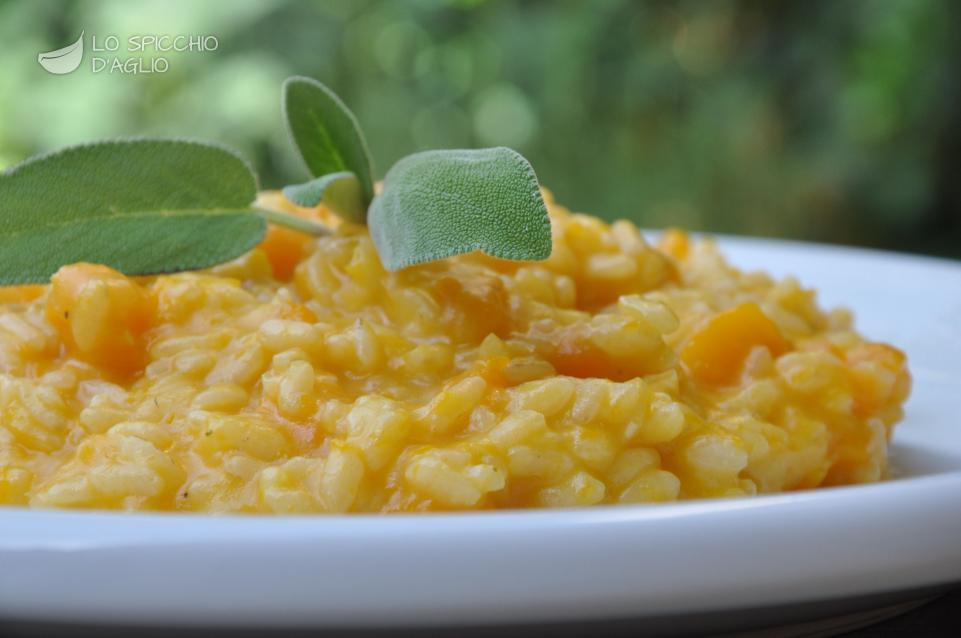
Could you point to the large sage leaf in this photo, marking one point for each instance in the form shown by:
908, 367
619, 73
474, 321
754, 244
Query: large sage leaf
437, 204
141, 206
326, 133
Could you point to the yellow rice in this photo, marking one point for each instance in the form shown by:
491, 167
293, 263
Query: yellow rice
469, 383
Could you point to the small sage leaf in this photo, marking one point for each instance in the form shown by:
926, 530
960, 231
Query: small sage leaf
437, 204
326, 133
340, 192
141, 206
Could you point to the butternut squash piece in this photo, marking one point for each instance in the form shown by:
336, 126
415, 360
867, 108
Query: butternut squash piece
716, 353
101, 315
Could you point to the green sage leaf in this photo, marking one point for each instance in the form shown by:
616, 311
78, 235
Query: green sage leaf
437, 204
141, 206
340, 192
326, 133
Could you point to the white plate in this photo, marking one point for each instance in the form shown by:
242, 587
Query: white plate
667, 561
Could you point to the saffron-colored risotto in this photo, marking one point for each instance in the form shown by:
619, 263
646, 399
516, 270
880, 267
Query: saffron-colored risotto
304, 378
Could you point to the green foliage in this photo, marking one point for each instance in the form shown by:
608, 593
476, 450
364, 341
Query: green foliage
326, 133
147, 206
340, 192
140, 206
434, 204
437, 204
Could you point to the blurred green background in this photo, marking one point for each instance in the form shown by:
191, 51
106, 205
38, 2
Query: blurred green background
830, 120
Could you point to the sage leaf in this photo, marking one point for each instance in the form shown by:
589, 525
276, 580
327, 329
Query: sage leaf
340, 192
326, 133
141, 206
437, 204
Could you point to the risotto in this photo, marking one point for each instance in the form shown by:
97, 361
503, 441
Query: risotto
303, 377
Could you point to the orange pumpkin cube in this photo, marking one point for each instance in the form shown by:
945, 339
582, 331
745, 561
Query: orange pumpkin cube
716, 353
101, 315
